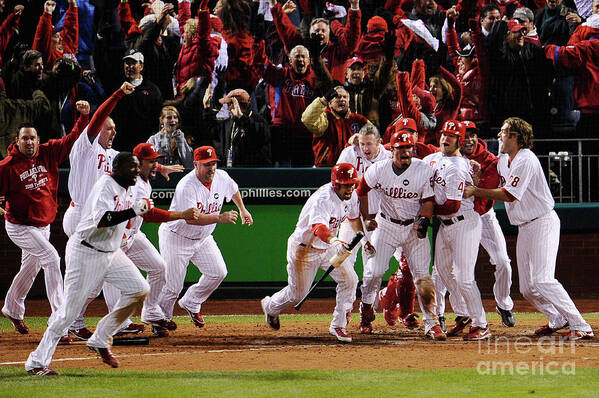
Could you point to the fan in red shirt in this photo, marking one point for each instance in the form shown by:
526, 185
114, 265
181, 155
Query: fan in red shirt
54, 45
29, 182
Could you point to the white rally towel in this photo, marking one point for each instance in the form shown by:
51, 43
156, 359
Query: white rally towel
418, 27
264, 8
584, 7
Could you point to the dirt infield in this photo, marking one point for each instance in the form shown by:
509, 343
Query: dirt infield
301, 345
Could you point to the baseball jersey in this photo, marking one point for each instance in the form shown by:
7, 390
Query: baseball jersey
400, 195
450, 175
105, 195
143, 190
190, 192
524, 179
354, 155
89, 162
323, 207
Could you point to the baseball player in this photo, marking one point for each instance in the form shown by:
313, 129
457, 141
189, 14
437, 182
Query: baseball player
93, 254
406, 206
312, 245
29, 183
492, 238
205, 188
529, 205
456, 246
90, 159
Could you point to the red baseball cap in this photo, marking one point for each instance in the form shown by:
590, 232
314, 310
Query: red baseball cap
406, 123
453, 127
400, 139
376, 23
146, 151
513, 25
205, 154
352, 61
469, 125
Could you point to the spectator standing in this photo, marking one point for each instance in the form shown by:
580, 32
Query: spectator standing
170, 141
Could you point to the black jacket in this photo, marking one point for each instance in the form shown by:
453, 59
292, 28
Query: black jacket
136, 116
552, 26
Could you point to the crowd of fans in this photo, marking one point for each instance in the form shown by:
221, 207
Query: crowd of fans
287, 84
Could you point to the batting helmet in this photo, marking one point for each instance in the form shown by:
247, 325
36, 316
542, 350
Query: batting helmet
406, 123
453, 127
344, 173
402, 138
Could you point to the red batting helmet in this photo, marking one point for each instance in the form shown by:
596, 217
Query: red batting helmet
469, 125
402, 138
453, 127
344, 173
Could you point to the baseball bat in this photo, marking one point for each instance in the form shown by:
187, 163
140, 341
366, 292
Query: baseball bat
348, 246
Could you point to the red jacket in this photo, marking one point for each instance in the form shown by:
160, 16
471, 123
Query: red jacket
582, 32
328, 146
69, 35
584, 57
128, 24
290, 94
7, 29
243, 53
197, 58
489, 178
334, 54
30, 185
473, 104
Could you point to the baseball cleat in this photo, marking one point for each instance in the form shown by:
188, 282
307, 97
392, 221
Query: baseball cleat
366, 313
82, 334
196, 318
272, 321
65, 340
460, 324
411, 321
159, 331
45, 371
442, 323
365, 327
341, 334
507, 318
18, 324
577, 335
106, 356
163, 323
133, 328
391, 315
435, 333
478, 333
546, 330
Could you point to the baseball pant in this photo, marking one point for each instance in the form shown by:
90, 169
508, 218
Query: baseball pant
493, 241
456, 251
85, 269
536, 252
71, 218
386, 239
145, 257
177, 252
302, 265
37, 253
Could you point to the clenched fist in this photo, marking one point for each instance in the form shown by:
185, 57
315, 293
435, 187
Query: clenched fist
82, 107
228, 217
127, 88
191, 214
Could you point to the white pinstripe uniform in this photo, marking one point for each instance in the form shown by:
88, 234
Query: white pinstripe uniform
400, 201
87, 267
538, 239
456, 247
89, 161
306, 253
354, 156
181, 242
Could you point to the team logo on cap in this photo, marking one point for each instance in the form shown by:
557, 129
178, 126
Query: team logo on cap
355, 127
209, 151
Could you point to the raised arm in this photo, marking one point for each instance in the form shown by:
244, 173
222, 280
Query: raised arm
70, 29
287, 31
128, 24
43, 33
348, 40
105, 109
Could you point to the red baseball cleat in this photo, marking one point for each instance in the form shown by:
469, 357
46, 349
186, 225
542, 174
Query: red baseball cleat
436, 334
478, 333
106, 356
460, 324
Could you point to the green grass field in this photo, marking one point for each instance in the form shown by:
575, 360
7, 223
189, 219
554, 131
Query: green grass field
14, 382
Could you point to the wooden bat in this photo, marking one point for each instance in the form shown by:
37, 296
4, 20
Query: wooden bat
336, 261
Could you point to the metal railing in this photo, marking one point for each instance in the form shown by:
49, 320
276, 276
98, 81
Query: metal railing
571, 167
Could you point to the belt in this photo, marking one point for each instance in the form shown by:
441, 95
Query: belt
451, 221
84, 243
396, 221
